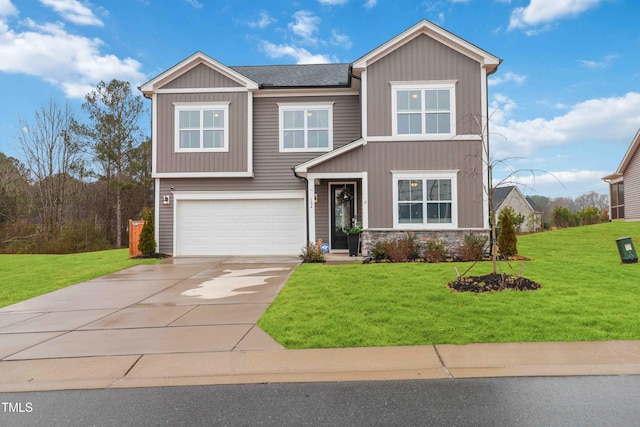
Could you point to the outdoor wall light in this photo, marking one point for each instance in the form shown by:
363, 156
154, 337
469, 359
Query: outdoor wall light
166, 200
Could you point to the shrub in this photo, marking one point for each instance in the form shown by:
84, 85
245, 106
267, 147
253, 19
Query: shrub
402, 249
472, 248
435, 251
81, 236
147, 242
379, 251
507, 240
310, 253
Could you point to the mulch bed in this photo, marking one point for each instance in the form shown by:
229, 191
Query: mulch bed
493, 283
149, 256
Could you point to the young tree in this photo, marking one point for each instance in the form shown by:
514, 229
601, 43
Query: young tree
53, 157
147, 243
114, 134
507, 240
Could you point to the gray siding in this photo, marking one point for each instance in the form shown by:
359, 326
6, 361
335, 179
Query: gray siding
380, 158
272, 169
235, 160
201, 76
632, 189
423, 59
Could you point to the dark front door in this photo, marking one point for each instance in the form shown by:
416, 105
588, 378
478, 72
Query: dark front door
342, 213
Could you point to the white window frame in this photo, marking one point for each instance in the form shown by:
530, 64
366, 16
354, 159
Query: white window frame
224, 106
282, 107
449, 85
424, 176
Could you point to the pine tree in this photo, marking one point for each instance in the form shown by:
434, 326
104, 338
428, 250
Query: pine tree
147, 243
507, 240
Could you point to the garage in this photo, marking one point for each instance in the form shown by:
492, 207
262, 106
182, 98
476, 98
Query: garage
240, 227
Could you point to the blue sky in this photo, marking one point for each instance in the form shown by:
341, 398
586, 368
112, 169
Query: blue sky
566, 99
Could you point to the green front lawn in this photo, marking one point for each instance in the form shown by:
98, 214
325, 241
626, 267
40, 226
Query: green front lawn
587, 294
26, 276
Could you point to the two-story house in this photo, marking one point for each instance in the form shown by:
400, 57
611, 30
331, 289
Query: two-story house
258, 160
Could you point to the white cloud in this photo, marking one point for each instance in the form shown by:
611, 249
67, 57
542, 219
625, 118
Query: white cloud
264, 21
301, 56
340, 40
603, 63
542, 13
7, 8
332, 2
305, 25
596, 120
73, 11
506, 77
370, 4
71, 62
194, 3
565, 183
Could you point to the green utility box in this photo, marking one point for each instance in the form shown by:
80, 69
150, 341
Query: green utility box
628, 253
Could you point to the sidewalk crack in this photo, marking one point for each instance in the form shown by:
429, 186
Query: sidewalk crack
444, 366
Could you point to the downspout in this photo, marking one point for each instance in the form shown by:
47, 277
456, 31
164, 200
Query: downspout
306, 201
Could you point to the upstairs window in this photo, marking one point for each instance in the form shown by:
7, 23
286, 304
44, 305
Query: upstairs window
306, 127
424, 109
202, 127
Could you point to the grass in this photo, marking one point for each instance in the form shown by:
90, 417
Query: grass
27, 276
587, 294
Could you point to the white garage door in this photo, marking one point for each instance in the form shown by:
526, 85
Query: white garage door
240, 227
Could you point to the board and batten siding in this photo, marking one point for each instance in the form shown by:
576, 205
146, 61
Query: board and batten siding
631, 179
201, 76
235, 160
272, 169
379, 159
423, 59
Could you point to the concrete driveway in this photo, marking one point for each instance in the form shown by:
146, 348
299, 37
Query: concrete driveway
186, 305
192, 322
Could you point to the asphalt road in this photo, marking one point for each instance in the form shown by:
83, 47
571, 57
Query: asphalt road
566, 401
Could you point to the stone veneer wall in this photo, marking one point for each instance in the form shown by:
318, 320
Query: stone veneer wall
453, 238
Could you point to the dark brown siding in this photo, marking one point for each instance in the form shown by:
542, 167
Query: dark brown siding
233, 161
423, 58
201, 76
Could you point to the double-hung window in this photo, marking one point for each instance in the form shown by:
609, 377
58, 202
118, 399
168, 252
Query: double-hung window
202, 127
426, 110
425, 200
307, 127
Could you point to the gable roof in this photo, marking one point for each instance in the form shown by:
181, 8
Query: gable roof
487, 60
301, 76
631, 151
500, 194
190, 63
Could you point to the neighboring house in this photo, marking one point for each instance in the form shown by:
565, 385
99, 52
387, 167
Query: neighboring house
627, 175
511, 196
257, 160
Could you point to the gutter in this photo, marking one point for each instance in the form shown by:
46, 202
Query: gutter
306, 195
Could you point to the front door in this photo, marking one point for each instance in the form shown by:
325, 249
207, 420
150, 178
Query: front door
342, 213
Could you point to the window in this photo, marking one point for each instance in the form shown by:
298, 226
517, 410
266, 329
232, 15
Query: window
424, 109
202, 127
425, 201
306, 127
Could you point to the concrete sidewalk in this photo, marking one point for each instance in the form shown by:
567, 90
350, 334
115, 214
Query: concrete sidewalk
192, 322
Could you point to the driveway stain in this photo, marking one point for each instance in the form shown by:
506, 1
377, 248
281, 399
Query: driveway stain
230, 283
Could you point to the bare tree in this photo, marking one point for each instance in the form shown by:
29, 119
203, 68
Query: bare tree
52, 157
14, 189
591, 198
113, 133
